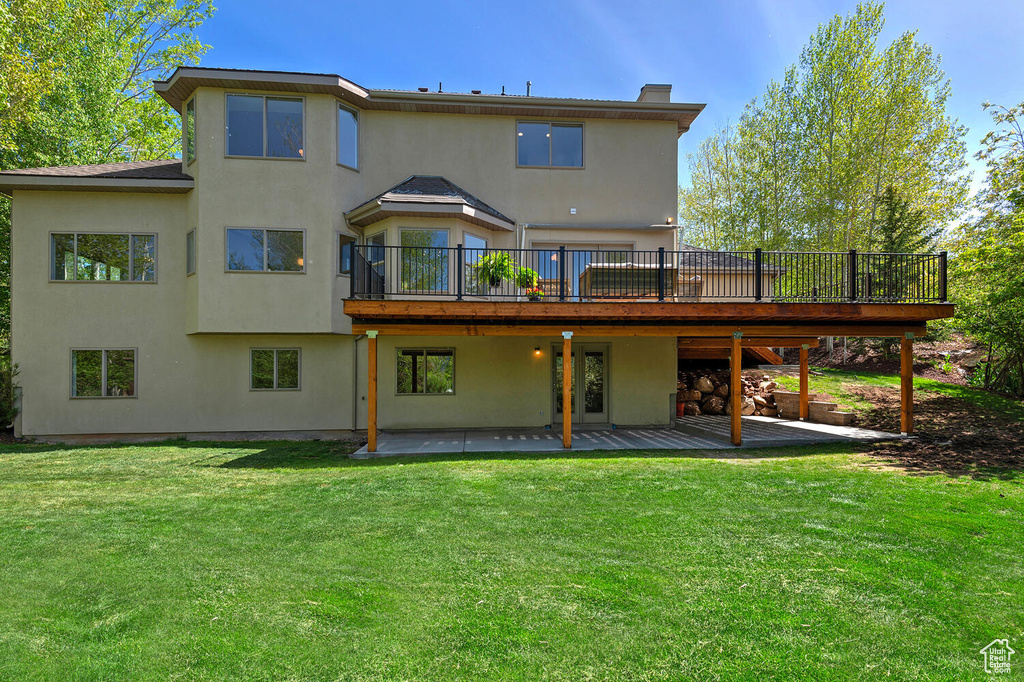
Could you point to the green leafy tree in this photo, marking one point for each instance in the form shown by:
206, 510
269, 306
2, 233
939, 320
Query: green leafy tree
75, 81
987, 271
807, 164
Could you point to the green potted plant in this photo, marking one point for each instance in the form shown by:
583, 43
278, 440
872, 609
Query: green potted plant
535, 293
526, 278
496, 267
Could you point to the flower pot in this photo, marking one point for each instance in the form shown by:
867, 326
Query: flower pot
536, 298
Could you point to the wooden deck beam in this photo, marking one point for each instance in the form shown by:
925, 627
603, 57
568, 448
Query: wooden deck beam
804, 404
371, 392
552, 329
907, 384
749, 342
736, 389
619, 311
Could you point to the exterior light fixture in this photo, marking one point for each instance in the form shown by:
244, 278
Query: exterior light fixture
536, 350
668, 221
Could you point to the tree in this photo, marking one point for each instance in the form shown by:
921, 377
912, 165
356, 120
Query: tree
807, 163
76, 86
987, 271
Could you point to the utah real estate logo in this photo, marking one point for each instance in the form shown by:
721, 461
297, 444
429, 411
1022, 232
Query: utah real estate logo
997, 656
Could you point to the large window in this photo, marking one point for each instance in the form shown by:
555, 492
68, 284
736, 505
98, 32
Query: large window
190, 131
265, 126
103, 373
259, 250
345, 254
103, 257
273, 369
424, 261
554, 145
348, 137
426, 371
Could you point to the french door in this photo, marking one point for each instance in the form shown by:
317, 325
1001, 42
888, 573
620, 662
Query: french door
589, 382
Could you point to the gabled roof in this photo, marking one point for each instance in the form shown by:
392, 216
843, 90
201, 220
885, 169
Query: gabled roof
184, 81
429, 196
160, 175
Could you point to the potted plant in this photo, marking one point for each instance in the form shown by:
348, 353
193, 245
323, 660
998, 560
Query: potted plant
496, 267
535, 293
526, 278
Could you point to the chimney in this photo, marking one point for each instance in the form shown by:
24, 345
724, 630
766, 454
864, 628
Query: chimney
655, 92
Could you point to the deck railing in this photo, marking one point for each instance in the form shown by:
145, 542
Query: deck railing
562, 274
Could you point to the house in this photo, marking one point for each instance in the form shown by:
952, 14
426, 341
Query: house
327, 258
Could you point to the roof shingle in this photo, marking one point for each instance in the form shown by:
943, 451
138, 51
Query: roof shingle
159, 169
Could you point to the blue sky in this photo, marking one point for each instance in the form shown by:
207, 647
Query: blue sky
720, 53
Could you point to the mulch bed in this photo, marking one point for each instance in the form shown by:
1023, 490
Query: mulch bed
951, 435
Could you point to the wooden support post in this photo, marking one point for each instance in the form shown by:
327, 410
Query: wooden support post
804, 407
907, 384
371, 393
567, 389
736, 387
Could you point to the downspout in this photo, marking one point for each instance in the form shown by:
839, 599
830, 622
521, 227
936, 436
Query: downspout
355, 380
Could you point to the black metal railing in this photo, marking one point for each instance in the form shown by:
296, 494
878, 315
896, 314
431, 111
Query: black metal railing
563, 274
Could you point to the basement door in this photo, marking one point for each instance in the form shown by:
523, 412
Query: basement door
590, 378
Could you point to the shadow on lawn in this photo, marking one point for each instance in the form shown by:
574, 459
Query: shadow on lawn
289, 456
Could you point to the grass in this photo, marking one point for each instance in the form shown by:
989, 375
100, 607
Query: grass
837, 382
278, 561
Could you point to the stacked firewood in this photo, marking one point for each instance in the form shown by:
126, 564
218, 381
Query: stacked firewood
707, 392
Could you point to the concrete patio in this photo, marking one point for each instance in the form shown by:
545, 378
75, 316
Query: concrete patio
693, 433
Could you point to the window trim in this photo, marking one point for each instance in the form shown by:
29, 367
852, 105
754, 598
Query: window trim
190, 104
277, 350
103, 373
265, 271
550, 123
337, 138
264, 96
190, 268
425, 349
131, 260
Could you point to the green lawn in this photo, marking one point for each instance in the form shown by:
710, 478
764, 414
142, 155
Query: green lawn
289, 561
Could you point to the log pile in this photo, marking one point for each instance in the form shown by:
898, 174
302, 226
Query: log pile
707, 392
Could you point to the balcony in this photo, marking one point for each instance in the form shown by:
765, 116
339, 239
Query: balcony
582, 276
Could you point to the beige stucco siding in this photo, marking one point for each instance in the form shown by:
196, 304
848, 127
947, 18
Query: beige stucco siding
500, 381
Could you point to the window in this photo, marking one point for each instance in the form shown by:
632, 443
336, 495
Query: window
273, 369
556, 145
190, 252
348, 137
345, 254
259, 250
268, 127
473, 250
103, 257
103, 373
190, 131
426, 371
425, 261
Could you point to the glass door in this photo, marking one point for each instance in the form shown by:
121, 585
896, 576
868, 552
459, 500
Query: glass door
590, 378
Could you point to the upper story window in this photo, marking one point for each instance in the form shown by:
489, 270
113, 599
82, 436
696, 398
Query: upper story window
345, 254
549, 145
261, 126
259, 250
103, 257
348, 137
190, 131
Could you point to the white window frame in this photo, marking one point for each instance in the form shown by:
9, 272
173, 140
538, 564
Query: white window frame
131, 259
276, 350
264, 157
103, 374
265, 271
